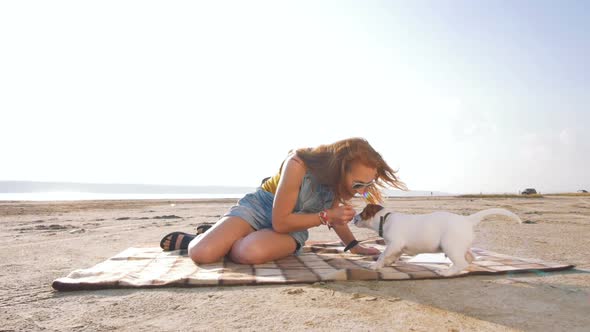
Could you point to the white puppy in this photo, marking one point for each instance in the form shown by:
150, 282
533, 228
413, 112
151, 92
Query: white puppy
413, 234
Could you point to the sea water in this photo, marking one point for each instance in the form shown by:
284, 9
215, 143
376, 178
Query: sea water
81, 196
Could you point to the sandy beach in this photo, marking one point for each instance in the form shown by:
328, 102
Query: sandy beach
42, 241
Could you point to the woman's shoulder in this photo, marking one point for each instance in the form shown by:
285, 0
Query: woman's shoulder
293, 156
294, 161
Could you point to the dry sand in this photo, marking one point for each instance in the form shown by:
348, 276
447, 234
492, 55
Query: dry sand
43, 241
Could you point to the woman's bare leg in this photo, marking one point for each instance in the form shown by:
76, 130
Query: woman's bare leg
212, 245
262, 246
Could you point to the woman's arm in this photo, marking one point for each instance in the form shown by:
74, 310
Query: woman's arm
342, 230
345, 234
283, 218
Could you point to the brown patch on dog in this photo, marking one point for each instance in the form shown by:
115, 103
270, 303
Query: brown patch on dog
370, 210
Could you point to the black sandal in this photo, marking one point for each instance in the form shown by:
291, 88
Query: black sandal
202, 228
173, 238
186, 238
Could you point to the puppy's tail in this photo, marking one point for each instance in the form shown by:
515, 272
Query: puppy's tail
478, 216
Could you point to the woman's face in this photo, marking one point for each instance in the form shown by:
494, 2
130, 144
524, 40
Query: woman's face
359, 179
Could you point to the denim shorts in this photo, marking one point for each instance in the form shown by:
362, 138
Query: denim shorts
256, 209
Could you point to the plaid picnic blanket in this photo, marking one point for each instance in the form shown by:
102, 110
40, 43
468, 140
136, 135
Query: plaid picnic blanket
152, 267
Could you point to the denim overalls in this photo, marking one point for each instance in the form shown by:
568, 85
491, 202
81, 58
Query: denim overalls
256, 207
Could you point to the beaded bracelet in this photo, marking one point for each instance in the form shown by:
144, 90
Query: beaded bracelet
323, 217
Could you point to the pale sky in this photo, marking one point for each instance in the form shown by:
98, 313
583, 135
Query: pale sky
459, 96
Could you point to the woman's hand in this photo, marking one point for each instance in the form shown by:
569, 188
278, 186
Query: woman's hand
368, 251
341, 215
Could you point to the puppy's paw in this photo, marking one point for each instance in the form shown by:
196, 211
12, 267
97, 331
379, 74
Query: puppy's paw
376, 265
446, 272
389, 261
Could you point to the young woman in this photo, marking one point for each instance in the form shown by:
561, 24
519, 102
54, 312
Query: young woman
312, 188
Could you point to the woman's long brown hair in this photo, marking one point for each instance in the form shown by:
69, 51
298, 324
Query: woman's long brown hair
330, 163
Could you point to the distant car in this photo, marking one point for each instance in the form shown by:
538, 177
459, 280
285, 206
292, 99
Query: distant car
583, 191
529, 191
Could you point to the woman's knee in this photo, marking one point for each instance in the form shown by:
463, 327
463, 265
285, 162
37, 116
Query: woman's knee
250, 252
204, 254
211, 246
244, 253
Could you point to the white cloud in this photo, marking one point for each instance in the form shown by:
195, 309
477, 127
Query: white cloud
211, 93
470, 124
567, 136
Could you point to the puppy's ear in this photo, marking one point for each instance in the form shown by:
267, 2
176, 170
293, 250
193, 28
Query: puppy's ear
376, 208
370, 210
